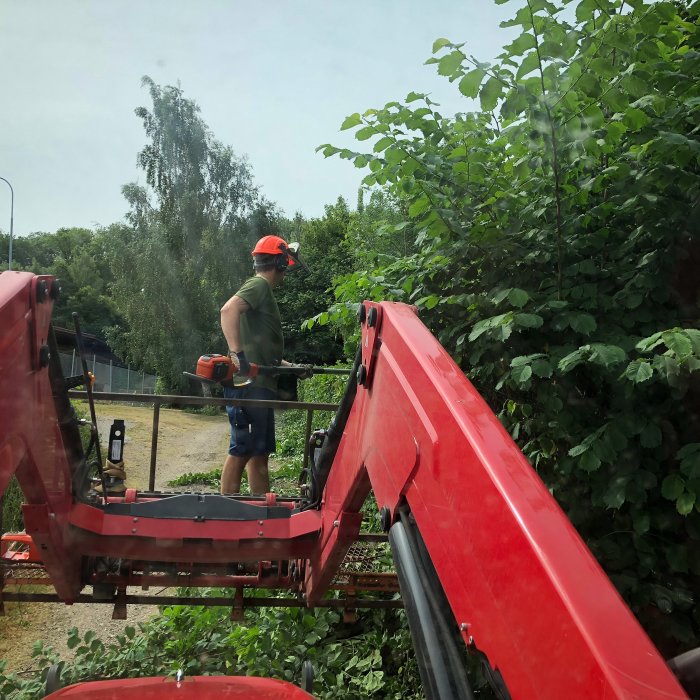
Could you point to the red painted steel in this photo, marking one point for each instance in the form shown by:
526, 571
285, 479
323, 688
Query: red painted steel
96, 533
18, 547
191, 688
31, 446
522, 584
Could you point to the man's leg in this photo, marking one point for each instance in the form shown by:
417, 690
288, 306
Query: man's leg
263, 441
236, 459
258, 477
232, 472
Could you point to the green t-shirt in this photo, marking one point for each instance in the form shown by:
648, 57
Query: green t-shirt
261, 327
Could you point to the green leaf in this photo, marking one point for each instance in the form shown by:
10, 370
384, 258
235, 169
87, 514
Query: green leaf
521, 374
395, 155
352, 120
490, 93
421, 205
487, 324
573, 359
668, 367
328, 150
523, 43
500, 296
638, 371
585, 10
582, 323
450, 64
578, 450
615, 99
677, 342
672, 487
528, 320
383, 143
634, 118
685, 503
607, 355
589, 461
470, 83
429, 302
615, 494
365, 133
690, 450
439, 43
647, 344
518, 297
690, 460
542, 368
694, 337
530, 63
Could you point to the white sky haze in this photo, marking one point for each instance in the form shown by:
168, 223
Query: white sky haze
273, 80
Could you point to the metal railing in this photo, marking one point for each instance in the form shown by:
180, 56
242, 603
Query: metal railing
158, 400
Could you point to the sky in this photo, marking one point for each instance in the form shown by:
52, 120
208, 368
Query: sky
273, 80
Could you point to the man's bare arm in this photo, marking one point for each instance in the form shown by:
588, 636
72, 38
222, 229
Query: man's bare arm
231, 313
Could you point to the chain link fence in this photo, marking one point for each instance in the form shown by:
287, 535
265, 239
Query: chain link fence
110, 377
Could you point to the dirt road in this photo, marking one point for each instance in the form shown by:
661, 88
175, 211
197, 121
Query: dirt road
186, 443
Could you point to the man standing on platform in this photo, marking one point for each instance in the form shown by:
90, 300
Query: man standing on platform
252, 325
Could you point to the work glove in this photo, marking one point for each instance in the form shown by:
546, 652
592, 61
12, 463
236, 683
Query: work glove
307, 373
241, 360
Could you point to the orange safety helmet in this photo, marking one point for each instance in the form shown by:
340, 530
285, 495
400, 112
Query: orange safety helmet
274, 245
271, 245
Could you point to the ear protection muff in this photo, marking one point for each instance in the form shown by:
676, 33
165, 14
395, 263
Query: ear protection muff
282, 262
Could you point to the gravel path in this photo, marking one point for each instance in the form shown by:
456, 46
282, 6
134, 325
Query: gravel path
186, 443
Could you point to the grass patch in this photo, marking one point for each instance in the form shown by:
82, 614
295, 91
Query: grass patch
211, 478
202, 410
11, 519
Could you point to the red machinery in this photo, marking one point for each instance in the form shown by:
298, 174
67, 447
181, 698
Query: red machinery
482, 550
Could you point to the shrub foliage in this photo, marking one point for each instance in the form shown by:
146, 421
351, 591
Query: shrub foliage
555, 238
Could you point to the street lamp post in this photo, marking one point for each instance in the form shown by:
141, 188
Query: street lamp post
12, 218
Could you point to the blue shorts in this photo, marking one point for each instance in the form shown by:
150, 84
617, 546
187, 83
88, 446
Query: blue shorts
252, 427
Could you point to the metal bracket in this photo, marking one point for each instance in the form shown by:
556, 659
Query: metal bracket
42, 295
119, 612
371, 320
350, 611
238, 609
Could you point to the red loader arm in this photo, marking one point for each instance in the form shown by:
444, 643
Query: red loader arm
470, 516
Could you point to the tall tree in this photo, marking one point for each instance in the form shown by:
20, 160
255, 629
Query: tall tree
192, 228
76, 257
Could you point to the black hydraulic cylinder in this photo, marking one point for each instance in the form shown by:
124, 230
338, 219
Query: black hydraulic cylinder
439, 650
327, 453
